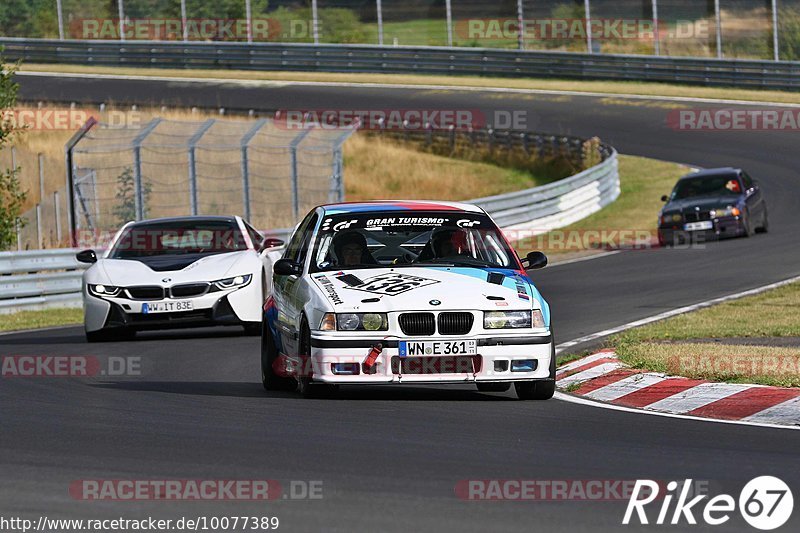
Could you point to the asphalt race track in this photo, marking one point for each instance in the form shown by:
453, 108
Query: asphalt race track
390, 458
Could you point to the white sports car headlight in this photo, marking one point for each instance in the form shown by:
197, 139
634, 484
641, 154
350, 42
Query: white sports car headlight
234, 282
355, 322
512, 319
103, 290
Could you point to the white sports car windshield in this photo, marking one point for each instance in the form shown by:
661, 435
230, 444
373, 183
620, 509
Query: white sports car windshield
178, 237
409, 239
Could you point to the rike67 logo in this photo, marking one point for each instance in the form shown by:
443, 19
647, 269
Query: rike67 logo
765, 503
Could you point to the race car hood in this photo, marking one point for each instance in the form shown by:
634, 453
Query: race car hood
427, 288
705, 202
127, 272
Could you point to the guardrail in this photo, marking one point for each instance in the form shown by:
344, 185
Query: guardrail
39, 279
783, 75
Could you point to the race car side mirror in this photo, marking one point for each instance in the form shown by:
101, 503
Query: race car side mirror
664, 198
534, 260
86, 256
271, 242
287, 267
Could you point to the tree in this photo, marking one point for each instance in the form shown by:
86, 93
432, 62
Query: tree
11, 194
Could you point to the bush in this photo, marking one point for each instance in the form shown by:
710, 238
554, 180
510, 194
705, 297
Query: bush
11, 194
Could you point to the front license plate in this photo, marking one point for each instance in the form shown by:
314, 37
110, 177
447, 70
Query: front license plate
419, 348
698, 226
167, 307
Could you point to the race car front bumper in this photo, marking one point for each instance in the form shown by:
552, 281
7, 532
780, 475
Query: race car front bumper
499, 359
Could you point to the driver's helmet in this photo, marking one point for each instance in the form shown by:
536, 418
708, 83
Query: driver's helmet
447, 242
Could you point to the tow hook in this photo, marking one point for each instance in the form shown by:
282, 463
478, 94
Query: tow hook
369, 362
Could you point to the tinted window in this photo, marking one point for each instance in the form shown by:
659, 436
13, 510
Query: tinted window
707, 186
300, 239
178, 237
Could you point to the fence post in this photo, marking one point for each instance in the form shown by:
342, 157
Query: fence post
70, 190
138, 189
39, 227
248, 11
40, 158
656, 36
121, 14
295, 177
379, 13
588, 22
19, 237
184, 22
245, 166
718, 18
775, 51
57, 203
449, 13
314, 21
192, 163
60, 15
520, 26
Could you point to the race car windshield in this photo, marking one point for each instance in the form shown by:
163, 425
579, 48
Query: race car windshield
714, 186
409, 239
184, 237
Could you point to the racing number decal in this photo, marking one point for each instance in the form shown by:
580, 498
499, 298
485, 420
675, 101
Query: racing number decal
392, 283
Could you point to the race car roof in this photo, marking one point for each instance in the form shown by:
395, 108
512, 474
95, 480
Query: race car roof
713, 172
198, 218
398, 205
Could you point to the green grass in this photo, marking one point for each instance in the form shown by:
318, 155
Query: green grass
642, 183
40, 319
775, 313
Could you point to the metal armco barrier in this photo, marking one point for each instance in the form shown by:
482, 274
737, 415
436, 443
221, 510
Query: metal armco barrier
784, 75
39, 279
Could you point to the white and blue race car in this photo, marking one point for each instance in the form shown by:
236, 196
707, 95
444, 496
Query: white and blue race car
405, 292
178, 272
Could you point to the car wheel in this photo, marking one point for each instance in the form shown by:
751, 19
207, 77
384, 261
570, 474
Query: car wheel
764, 223
307, 387
269, 354
252, 329
539, 390
747, 226
493, 387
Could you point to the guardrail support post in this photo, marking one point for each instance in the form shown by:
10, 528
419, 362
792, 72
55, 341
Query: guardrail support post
245, 166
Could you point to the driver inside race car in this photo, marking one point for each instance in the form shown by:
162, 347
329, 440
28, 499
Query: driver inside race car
351, 249
449, 242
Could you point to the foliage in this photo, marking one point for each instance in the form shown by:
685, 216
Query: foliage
125, 208
11, 194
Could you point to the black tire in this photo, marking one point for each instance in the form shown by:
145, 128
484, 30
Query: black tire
541, 389
764, 223
493, 387
306, 386
748, 226
252, 329
269, 379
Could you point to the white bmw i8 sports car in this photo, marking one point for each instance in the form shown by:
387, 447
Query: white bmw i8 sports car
178, 272
405, 292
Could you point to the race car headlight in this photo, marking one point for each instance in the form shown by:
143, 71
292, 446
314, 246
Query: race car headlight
507, 319
104, 290
729, 211
671, 218
362, 322
234, 282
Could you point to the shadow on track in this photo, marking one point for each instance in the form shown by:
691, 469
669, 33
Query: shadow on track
254, 390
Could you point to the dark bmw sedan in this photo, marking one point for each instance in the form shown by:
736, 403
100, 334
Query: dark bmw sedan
710, 204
